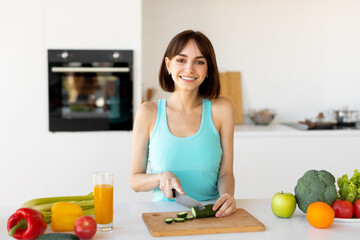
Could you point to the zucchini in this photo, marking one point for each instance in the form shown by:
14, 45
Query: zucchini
179, 219
204, 213
168, 220
58, 236
189, 217
182, 214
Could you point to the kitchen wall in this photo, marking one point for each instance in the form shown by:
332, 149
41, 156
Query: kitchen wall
298, 57
34, 161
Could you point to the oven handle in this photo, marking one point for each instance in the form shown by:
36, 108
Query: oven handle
89, 69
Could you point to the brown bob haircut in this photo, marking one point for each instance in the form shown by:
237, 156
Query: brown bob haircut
210, 88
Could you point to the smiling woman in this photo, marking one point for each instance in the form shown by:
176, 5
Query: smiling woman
188, 137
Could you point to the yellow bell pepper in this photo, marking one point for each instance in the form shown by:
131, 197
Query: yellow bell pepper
64, 216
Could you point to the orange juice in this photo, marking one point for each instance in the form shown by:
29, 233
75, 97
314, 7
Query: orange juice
103, 203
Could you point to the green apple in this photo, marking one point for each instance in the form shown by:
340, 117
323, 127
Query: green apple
283, 204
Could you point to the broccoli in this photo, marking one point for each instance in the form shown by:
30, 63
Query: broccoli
315, 186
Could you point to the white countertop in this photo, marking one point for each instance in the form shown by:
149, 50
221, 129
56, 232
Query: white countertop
128, 224
281, 130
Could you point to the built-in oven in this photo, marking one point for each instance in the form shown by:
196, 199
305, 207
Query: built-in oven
90, 90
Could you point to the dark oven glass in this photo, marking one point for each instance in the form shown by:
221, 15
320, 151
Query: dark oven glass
90, 90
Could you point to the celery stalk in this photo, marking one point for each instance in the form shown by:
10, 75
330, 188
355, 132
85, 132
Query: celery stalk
89, 212
47, 216
41, 201
86, 204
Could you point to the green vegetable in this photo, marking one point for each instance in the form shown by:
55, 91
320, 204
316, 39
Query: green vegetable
35, 203
179, 219
349, 189
204, 213
182, 214
189, 217
315, 186
168, 220
58, 236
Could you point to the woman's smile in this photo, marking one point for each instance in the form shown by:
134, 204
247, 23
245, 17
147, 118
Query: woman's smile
188, 79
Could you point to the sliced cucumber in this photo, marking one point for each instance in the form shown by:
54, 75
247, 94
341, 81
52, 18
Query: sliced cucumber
193, 210
207, 212
168, 220
182, 214
189, 217
179, 219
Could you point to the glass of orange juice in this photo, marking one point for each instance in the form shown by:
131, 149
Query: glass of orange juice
103, 199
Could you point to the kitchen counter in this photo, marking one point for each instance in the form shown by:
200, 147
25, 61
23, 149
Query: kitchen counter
128, 223
282, 130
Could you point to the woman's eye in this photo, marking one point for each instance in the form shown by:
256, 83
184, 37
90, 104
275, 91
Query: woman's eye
180, 60
200, 62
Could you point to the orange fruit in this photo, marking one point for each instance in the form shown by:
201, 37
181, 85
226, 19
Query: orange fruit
320, 215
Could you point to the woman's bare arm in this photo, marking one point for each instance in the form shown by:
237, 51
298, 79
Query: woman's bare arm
225, 116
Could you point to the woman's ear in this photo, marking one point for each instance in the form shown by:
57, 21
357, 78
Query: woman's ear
167, 63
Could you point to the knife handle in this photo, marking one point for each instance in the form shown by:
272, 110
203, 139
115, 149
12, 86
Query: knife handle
173, 192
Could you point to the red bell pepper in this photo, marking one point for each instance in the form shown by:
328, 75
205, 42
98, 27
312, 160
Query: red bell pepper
26, 224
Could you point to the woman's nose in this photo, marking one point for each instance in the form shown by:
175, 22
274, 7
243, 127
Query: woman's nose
189, 67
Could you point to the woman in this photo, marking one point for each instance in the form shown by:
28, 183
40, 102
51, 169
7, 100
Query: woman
188, 137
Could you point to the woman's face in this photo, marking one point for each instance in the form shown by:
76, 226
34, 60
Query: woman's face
188, 69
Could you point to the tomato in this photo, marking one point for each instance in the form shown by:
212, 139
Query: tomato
343, 208
85, 227
357, 208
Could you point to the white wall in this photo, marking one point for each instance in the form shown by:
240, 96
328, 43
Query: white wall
298, 57
35, 162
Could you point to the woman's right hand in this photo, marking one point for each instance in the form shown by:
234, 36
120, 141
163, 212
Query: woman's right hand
169, 181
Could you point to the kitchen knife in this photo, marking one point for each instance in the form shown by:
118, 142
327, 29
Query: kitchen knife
187, 201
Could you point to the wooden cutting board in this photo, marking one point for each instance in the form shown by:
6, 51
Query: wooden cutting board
231, 89
240, 221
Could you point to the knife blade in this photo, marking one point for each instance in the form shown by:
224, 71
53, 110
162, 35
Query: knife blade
187, 201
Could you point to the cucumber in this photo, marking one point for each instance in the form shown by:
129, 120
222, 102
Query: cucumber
207, 212
179, 219
168, 220
189, 217
58, 236
182, 214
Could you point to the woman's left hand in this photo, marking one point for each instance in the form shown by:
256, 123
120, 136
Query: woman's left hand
225, 204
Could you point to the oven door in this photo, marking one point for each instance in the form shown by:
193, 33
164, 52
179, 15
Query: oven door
86, 94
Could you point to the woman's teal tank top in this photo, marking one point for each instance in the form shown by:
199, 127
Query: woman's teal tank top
195, 160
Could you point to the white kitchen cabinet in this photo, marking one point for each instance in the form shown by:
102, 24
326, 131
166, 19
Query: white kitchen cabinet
271, 159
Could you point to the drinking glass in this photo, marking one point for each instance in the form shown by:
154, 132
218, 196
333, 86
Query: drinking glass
103, 199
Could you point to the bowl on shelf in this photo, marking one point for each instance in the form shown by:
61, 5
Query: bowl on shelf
262, 117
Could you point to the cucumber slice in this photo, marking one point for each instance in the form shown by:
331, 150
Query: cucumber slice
193, 210
168, 220
179, 219
182, 214
189, 217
